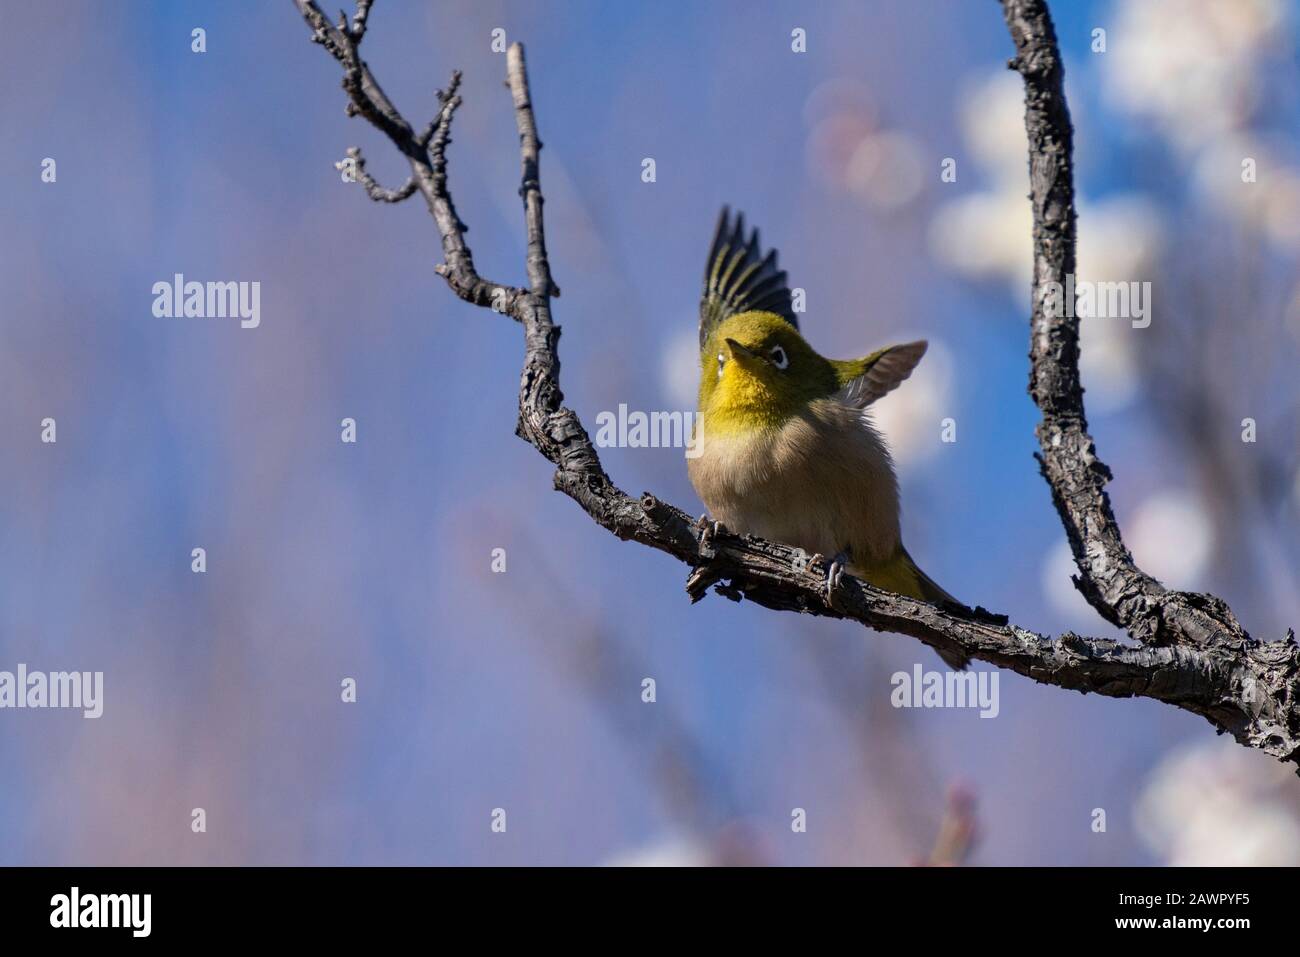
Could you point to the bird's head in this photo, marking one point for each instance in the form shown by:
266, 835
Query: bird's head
756, 371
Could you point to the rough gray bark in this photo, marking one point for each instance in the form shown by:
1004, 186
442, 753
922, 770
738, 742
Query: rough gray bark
1191, 652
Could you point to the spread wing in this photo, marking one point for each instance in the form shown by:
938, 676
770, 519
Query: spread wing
737, 278
879, 373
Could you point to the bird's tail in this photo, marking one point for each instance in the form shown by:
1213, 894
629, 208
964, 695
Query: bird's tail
930, 591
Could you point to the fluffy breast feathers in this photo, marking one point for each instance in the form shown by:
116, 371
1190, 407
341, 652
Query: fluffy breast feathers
822, 480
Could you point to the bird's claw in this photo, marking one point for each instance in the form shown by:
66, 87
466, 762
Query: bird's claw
708, 531
833, 575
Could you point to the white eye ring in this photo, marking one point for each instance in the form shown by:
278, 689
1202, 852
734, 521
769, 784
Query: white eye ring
721, 361
779, 358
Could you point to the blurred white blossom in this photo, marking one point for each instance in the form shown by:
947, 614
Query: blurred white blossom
737, 843
989, 234
848, 151
683, 852
1192, 71
911, 417
1190, 66
1119, 239
885, 170
992, 116
842, 96
1269, 203
1219, 804
1172, 537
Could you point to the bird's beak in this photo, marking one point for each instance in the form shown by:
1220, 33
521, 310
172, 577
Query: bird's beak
743, 354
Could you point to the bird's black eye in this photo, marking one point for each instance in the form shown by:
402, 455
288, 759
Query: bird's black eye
722, 360
779, 358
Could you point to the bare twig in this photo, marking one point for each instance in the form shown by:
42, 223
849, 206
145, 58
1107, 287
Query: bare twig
378, 193
359, 20
1193, 654
424, 152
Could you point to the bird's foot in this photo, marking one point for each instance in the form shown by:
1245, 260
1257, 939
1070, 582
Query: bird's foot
834, 573
708, 531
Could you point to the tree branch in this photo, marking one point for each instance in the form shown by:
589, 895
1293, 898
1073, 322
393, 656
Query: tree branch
376, 192
1108, 577
1192, 655
1121, 592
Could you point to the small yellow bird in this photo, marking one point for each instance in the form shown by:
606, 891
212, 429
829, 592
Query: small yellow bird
787, 450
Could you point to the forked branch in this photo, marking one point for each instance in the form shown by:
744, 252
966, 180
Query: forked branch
1190, 650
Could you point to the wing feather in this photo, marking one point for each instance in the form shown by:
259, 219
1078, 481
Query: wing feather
739, 278
883, 372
